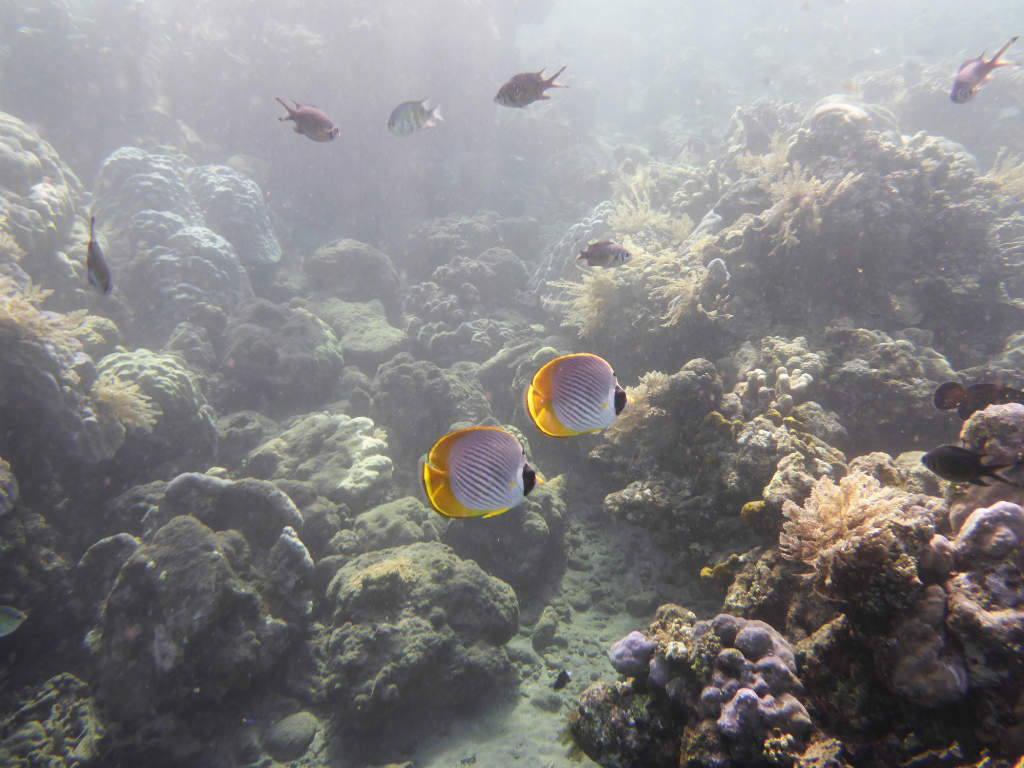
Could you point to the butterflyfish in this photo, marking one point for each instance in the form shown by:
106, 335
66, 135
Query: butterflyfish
574, 395
477, 472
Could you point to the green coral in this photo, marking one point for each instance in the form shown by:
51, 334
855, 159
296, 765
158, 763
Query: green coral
703, 654
753, 511
724, 570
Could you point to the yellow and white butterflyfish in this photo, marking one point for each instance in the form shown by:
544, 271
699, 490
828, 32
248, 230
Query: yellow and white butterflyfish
477, 472
575, 395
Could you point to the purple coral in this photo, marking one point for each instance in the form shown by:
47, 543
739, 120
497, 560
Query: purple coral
990, 533
631, 655
752, 682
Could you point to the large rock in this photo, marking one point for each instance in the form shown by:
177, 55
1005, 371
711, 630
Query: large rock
340, 458
181, 627
413, 633
280, 358
354, 271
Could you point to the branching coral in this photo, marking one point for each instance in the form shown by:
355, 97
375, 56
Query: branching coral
771, 164
21, 316
819, 532
799, 194
126, 402
634, 212
650, 384
589, 304
9, 248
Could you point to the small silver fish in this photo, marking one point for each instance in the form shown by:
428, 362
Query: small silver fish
411, 116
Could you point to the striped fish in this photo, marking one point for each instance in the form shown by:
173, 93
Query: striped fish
411, 116
574, 395
477, 472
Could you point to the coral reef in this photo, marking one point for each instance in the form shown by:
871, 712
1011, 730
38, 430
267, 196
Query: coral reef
233, 207
340, 458
632, 654
799, 285
160, 246
722, 692
185, 436
354, 271
181, 619
45, 390
40, 195
270, 350
412, 629
58, 723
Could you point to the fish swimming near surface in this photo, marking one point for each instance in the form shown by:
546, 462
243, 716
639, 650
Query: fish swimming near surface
575, 395
976, 397
527, 87
10, 619
411, 116
563, 679
310, 121
961, 465
95, 264
477, 472
973, 73
603, 254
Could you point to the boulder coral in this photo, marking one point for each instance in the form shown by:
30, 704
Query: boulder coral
181, 627
343, 459
283, 359
412, 629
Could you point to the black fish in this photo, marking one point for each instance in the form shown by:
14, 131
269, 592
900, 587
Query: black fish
95, 264
526, 88
976, 397
974, 72
604, 254
562, 680
960, 465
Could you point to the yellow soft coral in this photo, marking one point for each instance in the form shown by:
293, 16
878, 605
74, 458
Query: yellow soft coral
1008, 172
126, 402
833, 516
589, 304
21, 316
639, 408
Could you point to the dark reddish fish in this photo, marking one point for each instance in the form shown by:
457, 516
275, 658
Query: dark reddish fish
974, 72
976, 397
526, 88
310, 121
